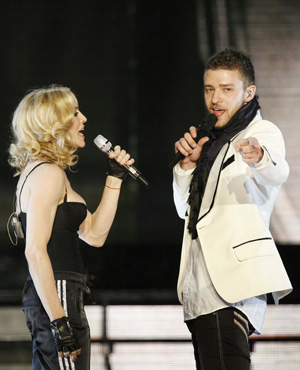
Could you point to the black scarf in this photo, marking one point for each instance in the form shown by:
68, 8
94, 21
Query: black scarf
218, 136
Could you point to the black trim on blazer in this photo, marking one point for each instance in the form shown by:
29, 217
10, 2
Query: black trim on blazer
264, 148
228, 162
251, 241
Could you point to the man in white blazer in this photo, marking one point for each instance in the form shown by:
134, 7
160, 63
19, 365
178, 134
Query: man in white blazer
225, 187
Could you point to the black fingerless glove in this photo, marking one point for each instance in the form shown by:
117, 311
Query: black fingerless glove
115, 169
63, 336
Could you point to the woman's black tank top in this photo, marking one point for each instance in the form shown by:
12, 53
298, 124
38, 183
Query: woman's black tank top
63, 246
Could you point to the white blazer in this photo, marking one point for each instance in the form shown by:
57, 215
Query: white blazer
233, 227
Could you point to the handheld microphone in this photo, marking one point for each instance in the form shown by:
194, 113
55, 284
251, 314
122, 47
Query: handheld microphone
208, 123
105, 146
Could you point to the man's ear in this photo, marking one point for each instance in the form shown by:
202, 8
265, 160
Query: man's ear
249, 93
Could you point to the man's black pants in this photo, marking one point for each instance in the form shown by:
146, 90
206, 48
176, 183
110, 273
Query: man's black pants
220, 340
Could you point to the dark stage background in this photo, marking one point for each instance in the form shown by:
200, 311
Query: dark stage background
136, 68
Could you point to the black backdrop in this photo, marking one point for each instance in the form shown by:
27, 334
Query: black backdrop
135, 70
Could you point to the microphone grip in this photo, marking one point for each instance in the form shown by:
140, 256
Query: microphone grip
208, 123
143, 181
178, 157
105, 146
134, 173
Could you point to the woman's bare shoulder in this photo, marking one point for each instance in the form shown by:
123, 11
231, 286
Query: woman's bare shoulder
49, 176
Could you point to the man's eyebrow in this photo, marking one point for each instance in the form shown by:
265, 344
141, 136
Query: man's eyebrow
221, 85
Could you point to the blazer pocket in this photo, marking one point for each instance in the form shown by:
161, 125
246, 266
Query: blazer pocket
255, 248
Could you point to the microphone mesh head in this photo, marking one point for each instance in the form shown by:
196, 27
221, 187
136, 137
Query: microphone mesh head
102, 143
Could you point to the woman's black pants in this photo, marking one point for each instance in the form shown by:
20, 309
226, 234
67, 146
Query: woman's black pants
71, 289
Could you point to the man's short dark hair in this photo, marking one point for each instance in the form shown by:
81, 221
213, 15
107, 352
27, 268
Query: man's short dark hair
232, 60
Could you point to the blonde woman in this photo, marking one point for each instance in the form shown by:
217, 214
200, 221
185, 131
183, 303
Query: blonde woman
47, 129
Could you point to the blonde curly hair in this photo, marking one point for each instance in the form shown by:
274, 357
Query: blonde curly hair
40, 128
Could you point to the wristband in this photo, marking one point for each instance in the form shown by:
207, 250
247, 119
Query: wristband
109, 187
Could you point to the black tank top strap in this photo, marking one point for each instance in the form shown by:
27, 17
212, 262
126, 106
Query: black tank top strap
39, 164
